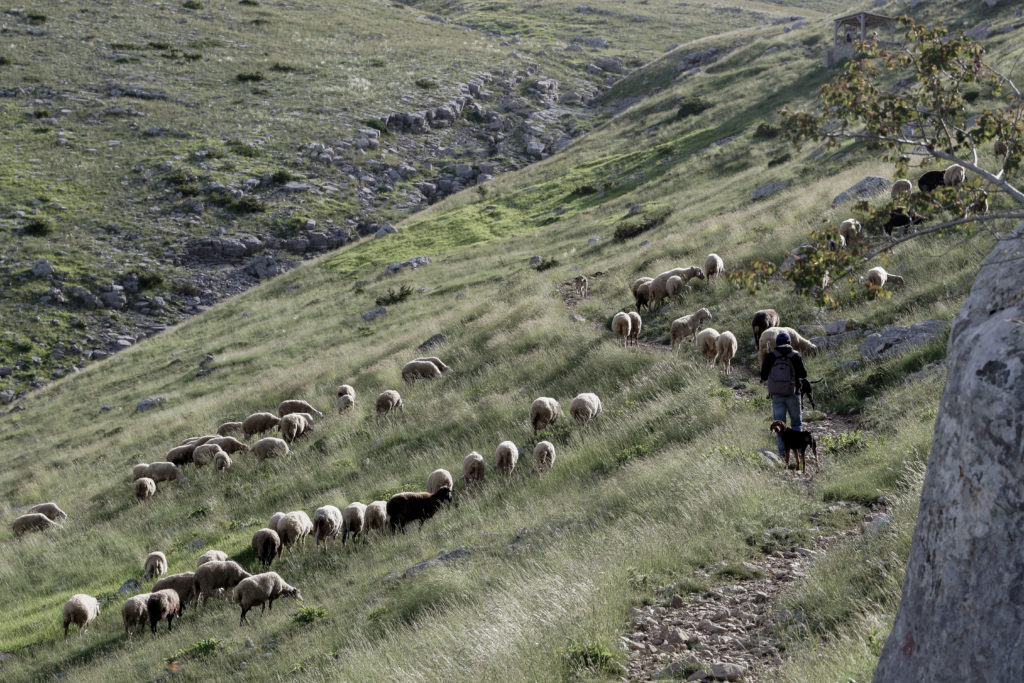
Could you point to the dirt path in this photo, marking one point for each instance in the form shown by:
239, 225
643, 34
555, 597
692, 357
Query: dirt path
728, 631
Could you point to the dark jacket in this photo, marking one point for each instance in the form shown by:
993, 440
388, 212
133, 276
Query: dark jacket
785, 350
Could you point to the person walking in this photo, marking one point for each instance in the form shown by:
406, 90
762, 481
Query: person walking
783, 369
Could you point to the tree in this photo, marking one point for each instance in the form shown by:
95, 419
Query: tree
932, 98
961, 616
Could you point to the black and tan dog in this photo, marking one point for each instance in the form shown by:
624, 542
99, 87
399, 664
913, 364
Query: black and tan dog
807, 391
796, 442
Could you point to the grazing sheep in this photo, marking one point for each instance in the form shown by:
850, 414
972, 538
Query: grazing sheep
222, 461
217, 575
930, 180
294, 405
144, 488
204, 455
543, 456
163, 604
327, 522
419, 369
581, 286
877, 277
33, 521
1000, 148
211, 556
155, 565
269, 447
183, 584
438, 479
262, 589
292, 426
837, 244
140, 470
707, 344
376, 516
899, 218
766, 344
584, 408
80, 610
849, 230
275, 519
345, 402
544, 412
642, 292
436, 361
713, 266
387, 402
506, 455
294, 527
473, 469
353, 521
635, 323
687, 326
134, 613
900, 188
622, 326
660, 283
180, 455
229, 428
979, 205
165, 471
406, 507
674, 287
954, 175
259, 423
726, 345
267, 545
347, 390
51, 510
763, 319
228, 444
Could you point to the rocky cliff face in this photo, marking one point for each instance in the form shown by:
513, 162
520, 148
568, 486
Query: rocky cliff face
962, 610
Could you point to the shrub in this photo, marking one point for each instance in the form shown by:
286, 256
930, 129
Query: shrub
281, 176
149, 279
377, 124
250, 3
766, 131
781, 159
583, 658
36, 18
192, 4
692, 105
38, 227
393, 297
4, 61
242, 148
546, 264
159, 45
283, 68
307, 615
250, 77
198, 650
426, 83
242, 205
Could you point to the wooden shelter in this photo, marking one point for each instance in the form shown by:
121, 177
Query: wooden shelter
856, 27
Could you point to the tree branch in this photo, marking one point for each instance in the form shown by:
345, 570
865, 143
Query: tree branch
943, 226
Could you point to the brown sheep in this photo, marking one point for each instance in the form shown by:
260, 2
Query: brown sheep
406, 507
163, 604
763, 319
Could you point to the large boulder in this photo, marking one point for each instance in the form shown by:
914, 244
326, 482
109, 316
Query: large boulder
963, 596
894, 339
865, 189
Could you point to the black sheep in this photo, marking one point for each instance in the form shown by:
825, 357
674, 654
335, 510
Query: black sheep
899, 218
406, 507
930, 180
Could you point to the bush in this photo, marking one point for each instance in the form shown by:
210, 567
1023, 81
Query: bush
283, 68
393, 297
242, 148
379, 125
250, 3
781, 159
281, 176
692, 105
4, 61
546, 264
250, 77
766, 131
198, 650
192, 4
243, 205
426, 83
584, 658
38, 227
149, 279
307, 615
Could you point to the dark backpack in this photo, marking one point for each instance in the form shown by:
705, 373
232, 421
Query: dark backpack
782, 376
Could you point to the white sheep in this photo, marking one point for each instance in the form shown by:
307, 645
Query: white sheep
387, 402
544, 412
266, 543
766, 344
80, 610
295, 405
222, 461
294, 527
144, 488
543, 456
900, 188
878, 277
473, 469
954, 175
713, 266
211, 556
228, 444
216, 576
204, 455
635, 323
275, 519
439, 479
134, 612
849, 229
585, 407
581, 286
229, 428
261, 589
140, 470
292, 426
259, 423
419, 369
726, 345
51, 510
674, 287
353, 521
622, 326
269, 447
165, 471
155, 565
659, 285
687, 326
183, 584
346, 390
437, 362
345, 402
506, 455
327, 523
33, 521
707, 343
641, 289
376, 516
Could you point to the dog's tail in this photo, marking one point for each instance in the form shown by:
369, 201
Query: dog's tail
815, 381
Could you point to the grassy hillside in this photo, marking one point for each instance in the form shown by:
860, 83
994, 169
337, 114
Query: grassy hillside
649, 500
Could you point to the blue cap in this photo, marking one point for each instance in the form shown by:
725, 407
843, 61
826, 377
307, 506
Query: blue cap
781, 338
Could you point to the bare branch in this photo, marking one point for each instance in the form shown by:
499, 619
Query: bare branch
943, 226
987, 175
